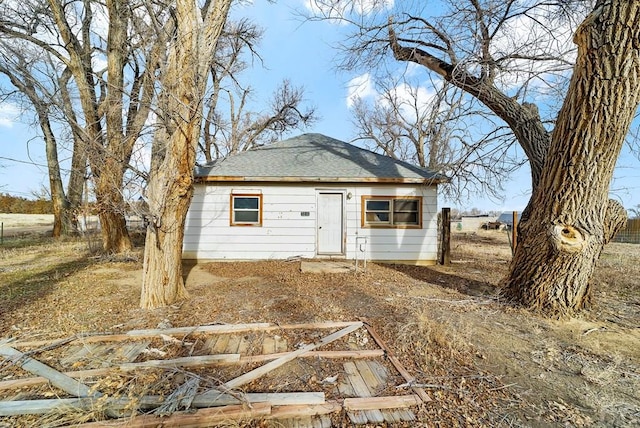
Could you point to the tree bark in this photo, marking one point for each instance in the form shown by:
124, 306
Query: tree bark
175, 142
570, 217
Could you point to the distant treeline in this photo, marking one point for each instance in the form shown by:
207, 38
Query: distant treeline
19, 205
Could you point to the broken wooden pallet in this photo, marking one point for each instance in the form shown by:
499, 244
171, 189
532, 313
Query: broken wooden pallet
364, 377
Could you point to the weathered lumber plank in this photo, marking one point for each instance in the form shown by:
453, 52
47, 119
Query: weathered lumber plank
32, 381
198, 361
268, 345
280, 343
375, 381
210, 343
205, 329
39, 380
361, 389
216, 398
221, 344
60, 380
375, 375
233, 344
390, 402
358, 417
396, 363
262, 370
372, 353
275, 344
292, 411
322, 421
76, 353
199, 419
244, 345
207, 399
38, 407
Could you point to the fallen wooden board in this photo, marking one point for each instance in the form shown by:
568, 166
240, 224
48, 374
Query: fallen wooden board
396, 363
183, 331
211, 398
33, 381
262, 370
390, 402
375, 376
149, 402
369, 353
283, 412
199, 419
60, 380
361, 389
198, 361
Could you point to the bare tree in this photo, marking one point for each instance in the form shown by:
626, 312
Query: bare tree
435, 128
73, 36
243, 130
476, 46
38, 86
192, 38
230, 126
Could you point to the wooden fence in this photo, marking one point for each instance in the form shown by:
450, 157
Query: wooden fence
631, 233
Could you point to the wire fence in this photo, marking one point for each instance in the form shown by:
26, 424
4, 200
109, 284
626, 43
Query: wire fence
630, 234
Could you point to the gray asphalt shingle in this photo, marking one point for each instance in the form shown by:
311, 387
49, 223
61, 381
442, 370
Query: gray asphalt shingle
315, 157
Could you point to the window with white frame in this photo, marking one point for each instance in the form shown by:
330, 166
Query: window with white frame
246, 210
392, 211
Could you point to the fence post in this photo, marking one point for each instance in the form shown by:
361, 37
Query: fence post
445, 244
514, 232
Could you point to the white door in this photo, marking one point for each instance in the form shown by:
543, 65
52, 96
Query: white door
330, 223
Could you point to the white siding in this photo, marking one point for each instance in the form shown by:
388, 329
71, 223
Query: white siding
285, 232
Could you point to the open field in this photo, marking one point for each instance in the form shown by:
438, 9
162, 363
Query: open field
15, 220
483, 363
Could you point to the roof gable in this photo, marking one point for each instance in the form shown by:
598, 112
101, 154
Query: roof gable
314, 158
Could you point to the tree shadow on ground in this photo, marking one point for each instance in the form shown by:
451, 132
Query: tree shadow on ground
451, 281
25, 286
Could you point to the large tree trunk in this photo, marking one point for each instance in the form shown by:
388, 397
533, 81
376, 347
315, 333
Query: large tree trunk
106, 160
171, 183
162, 282
570, 218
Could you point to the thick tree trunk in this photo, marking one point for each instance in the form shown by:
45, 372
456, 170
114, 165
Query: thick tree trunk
171, 183
570, 218
162, 282
111, 209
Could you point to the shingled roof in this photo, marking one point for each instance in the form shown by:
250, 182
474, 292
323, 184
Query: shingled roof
314, 158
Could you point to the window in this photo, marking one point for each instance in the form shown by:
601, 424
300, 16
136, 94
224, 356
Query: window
391, 211
246, 210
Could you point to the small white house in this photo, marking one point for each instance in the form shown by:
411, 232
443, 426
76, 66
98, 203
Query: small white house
313, 196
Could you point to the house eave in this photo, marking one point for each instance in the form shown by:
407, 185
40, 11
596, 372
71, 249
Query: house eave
375, 180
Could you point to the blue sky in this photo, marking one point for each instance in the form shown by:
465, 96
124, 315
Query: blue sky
302, 52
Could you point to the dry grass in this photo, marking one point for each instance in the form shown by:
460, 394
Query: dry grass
484, 364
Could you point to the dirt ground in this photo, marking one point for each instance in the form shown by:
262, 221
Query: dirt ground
482, 362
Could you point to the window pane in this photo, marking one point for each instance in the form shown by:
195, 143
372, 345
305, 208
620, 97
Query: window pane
246, 217
405, 205
377, 217
373, 205
248, 203
405, 218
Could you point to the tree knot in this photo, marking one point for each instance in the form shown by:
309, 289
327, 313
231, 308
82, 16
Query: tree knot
567, 239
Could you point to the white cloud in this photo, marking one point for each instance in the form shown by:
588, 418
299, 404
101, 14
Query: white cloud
413, 101
8, 114
360, 87
530, 35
